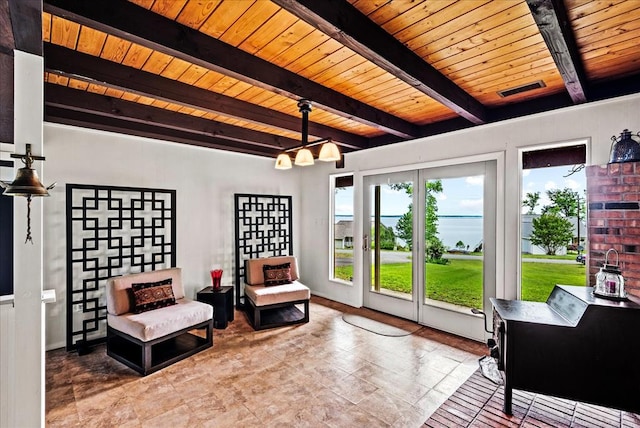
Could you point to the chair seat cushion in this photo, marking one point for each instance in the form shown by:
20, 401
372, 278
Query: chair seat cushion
263, 296
160, 322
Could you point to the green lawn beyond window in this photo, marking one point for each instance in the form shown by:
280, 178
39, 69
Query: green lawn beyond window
460, 281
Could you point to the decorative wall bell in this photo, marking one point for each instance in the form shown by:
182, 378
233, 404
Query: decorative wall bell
625, 149
26, 184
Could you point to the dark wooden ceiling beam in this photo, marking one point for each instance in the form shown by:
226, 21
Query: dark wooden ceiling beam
87, 120
131, 22
345, 23
26, 24
92, 69
553, 23
102, 105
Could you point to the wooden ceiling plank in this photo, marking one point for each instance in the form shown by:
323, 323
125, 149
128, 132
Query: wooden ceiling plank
480, 41
485, 29
495, 49
195, 13
115, 49
91, 41
308, 52
268, 33
603, 27
295, 33
578, 9
123, 19
124, 78
611, 35
169, 8
46, 29
553, 22
484, 68
617, 11
250, 21
411, 35
157, 62
175, 68
64, 32
397, 16
491, 14
497, 56
136, 56
345, 23
224, 16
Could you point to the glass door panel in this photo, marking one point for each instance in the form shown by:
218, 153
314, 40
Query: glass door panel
458, 206
389, 269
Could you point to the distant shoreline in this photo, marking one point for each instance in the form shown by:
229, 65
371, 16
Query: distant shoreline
440, 216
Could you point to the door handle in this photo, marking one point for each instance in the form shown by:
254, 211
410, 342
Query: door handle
365, 243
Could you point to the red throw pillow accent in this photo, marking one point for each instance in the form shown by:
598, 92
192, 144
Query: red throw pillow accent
152, 295
277, 274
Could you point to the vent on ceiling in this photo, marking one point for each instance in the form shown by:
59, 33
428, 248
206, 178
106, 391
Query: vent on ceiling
522, 88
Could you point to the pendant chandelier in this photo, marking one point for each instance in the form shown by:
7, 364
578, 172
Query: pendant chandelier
328, 152
26, 184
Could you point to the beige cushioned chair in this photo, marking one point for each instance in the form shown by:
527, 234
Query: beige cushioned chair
275, 305
151, 340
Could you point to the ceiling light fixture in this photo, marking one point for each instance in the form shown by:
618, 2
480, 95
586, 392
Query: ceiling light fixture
329, 151
26, 184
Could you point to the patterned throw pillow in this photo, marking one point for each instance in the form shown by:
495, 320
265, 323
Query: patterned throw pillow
277, 274
152, 295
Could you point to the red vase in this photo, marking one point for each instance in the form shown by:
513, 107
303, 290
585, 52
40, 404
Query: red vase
216, 278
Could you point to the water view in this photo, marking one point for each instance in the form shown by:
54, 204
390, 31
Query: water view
451, 229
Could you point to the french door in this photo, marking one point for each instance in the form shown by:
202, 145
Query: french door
439, 262
389, 271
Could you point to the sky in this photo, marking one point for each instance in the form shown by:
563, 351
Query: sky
463, 196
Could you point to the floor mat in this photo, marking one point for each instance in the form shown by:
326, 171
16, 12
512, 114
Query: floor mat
378, 327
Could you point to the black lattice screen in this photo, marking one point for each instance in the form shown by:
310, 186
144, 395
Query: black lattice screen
263, 229
112, 231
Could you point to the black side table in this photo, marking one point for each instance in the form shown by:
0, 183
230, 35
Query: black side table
222, 302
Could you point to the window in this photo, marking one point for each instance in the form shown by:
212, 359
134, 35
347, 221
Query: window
553, 228
342, 228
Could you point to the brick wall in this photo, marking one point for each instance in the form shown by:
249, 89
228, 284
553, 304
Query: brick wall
613, 195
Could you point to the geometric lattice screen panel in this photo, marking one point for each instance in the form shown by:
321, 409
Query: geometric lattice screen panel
263, 229
112, 231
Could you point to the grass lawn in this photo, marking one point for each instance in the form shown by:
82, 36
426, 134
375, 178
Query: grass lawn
460, 281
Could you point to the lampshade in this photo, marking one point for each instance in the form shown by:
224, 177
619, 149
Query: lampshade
283, 161
329, 152
624, 148
304, 157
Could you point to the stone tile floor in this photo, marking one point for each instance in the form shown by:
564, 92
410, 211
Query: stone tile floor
324, 373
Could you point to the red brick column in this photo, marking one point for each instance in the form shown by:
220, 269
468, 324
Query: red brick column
613, 195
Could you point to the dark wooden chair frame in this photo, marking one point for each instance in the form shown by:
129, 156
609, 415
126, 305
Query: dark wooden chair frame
276, 315
151, 356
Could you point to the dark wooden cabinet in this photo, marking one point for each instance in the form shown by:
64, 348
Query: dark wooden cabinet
222, 302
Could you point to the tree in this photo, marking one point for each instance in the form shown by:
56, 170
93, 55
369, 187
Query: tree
563, 201
551, 232
404, 227
531, 201
460, 245
434, 247
387, 237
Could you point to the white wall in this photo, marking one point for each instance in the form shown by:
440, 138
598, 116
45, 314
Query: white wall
596, 122
205, 181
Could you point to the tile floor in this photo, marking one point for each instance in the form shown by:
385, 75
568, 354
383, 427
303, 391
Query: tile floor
324, 373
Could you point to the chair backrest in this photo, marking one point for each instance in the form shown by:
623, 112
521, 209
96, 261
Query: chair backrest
119, 298
254, 275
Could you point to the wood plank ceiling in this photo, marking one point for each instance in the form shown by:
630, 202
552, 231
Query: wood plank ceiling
228, 74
